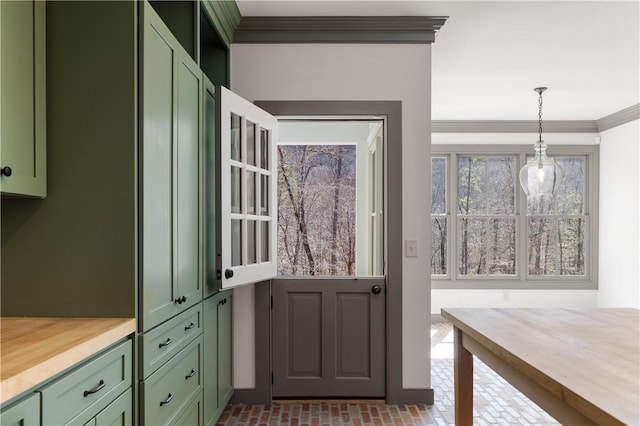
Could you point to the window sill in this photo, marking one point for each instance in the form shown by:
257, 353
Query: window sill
507, 284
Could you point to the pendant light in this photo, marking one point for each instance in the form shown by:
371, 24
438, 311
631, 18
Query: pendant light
541, 177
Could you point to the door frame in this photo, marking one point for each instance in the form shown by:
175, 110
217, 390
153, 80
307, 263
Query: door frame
392, 110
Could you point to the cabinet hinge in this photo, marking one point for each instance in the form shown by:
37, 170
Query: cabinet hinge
271, 302
272, 377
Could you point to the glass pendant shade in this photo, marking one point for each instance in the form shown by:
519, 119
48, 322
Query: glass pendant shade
541, 176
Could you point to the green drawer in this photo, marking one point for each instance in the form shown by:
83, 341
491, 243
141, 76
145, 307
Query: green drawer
160, 344
85, 391
25, 412
167, 390
118, 412
192, 414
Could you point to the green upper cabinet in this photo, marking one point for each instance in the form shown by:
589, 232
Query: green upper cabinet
22, 98
171, 103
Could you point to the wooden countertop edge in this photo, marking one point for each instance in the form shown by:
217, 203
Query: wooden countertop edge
31, 377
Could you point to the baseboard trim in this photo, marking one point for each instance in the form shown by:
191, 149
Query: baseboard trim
249, 397
413, 396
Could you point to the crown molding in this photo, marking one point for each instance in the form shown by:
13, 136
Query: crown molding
513, 126
617, 118
225, 16
338, 29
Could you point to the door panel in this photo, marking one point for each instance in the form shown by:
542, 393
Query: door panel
187, 194
353, 334
158, 103
304, 332
328, 338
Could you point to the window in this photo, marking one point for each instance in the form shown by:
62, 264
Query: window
486, 234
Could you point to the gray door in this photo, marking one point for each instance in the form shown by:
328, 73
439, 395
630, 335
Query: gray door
328, 337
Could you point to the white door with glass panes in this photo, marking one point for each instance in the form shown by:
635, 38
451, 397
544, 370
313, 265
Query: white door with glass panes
247, 184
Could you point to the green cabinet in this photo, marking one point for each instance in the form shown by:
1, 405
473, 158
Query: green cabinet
23, 99
164, 393
25, 412
79, 395
171, 91
95, 392
217, 364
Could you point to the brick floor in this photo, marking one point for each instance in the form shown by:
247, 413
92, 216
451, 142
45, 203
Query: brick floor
495, 401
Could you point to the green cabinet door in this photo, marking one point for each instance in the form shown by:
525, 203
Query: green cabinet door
208, 150
169, 158
212, 409
22, 100
225, 348
25, 412
217, 355
187, 232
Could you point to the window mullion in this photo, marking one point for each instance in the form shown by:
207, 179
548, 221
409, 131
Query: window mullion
452, 187
522, 239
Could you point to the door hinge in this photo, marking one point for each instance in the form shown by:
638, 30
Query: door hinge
272, 377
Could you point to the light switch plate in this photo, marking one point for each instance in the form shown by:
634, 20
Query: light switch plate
411, 248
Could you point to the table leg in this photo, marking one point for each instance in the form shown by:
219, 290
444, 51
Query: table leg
463, 381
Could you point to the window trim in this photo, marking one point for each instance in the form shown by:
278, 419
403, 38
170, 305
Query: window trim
521, 281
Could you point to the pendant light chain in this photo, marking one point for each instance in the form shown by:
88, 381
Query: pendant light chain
540, 116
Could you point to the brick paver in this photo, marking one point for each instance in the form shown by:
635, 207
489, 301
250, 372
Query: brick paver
495, 401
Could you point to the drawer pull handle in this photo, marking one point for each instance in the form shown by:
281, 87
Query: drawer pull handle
99, 387
180, 300
167, 400
190, 375
165, 343
189, 327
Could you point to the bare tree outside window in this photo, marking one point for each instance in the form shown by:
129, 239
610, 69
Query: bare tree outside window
486, 215
316, 210
557, 227
438, 216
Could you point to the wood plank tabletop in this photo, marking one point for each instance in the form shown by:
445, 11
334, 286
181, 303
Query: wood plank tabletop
589, 358
33, 350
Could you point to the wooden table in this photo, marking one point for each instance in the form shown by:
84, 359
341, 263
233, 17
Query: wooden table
581, 366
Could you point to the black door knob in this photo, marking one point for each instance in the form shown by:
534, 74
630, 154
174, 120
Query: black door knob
228, 273
6, 171
376, 289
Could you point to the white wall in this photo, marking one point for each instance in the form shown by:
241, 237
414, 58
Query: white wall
354, 72
620, 216
464, 298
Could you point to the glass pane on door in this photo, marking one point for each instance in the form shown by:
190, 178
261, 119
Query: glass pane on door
246, 162
251, 143
236, 143
236, 190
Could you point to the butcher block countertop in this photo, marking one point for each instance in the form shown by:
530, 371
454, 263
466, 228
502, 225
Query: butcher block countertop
33, 350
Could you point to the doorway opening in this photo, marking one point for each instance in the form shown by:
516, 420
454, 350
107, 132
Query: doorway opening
329, 309
330, 197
